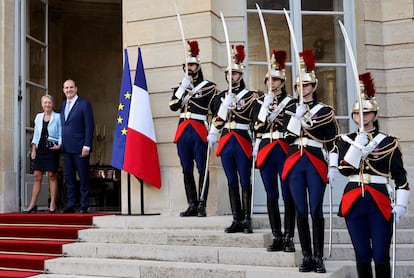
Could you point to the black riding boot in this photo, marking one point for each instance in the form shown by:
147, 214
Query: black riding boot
247, 209
290, 215
308, 264
318, 229
236, 225
364, 270
275, 225
191, 193
201, 211
382, 270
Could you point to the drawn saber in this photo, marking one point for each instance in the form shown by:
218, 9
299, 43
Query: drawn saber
297, 58
228, 49
182, 38
355, 73
266, 43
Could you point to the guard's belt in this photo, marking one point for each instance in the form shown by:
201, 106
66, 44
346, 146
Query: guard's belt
367, 178
304, 141
273, 135
193, 116
234, 125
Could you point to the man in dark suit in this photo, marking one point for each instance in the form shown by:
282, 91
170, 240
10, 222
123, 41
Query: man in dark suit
77, 133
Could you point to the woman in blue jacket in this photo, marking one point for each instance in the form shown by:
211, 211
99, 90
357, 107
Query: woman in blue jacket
46, 143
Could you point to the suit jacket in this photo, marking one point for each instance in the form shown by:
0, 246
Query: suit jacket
54, 128
78, 128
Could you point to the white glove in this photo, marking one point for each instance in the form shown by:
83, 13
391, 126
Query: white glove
186, 82
361, 139
268, 100
300, 111
332, 174
228, 100
211, 139
398, 211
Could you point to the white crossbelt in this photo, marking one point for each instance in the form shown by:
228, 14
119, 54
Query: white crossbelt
304, 141
193, 116
273, 135
234, 125
367, 178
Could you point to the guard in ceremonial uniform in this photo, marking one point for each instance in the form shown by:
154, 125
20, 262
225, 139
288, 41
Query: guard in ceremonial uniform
370, 158
192, 98
232, 114
311, 130
270, 150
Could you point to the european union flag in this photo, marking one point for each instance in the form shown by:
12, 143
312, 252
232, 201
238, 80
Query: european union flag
121, 128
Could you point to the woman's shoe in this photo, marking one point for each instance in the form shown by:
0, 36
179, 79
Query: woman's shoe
33, 209
52, 211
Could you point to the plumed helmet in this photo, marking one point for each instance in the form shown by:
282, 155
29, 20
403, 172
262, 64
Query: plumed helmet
277, 65
238, 55
307, 68
367, 91
193, 52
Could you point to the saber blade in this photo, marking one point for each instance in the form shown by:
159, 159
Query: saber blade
182, 38
354, 71
297, 58
267, 48
228, 49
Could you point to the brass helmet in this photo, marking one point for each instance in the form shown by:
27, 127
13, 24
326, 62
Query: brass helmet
307, 69
193, 52
238, 55
367, 91
278, 65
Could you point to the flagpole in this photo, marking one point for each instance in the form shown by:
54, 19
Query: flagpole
142, 196
129, 194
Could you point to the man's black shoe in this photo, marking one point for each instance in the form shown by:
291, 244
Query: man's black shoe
68, 210
83, 210
308, 264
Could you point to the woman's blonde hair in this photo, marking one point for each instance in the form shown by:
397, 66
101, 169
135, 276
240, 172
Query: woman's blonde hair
46, 96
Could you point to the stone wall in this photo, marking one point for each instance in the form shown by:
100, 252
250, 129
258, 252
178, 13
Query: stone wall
385, 48
8, 134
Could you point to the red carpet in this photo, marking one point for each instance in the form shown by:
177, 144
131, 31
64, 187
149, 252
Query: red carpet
27, 240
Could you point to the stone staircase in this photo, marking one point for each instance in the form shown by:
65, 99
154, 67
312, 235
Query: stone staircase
170, 246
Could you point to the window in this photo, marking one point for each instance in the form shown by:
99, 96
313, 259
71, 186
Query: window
316, 27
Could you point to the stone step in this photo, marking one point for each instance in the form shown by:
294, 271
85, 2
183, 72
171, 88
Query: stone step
210, 254
260, 237
259, 221
141, 268
191, 254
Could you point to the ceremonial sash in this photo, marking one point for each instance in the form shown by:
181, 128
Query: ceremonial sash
199, 127
244, 143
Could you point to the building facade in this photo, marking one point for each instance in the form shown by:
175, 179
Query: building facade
45, 42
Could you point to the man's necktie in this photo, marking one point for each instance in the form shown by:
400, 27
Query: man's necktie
67, 109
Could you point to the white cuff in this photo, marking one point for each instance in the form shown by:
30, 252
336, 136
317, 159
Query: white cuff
180, 92
333, 159
214, 130
222, 113
263, 113
403, 197
294, 125
353, 156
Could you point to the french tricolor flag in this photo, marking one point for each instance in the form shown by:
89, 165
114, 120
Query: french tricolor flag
141, 155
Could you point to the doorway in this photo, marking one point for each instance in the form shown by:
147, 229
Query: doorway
79, 40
